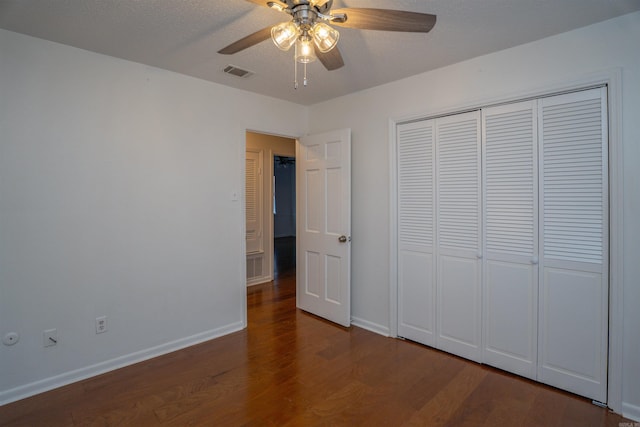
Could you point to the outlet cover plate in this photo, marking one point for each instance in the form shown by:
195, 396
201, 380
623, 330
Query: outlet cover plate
101, 324
50, 337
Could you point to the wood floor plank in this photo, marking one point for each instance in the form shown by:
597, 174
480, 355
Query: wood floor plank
497, 400
432, 377
446, 402
289, 368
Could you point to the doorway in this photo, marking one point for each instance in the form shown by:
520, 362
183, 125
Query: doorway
284, 216
270, 162
322, 245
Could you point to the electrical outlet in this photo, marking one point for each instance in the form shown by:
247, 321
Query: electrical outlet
101, 324
50, 337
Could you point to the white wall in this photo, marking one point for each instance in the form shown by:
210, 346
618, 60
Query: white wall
115, 199
529, 68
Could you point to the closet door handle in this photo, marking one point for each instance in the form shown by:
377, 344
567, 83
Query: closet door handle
534, 260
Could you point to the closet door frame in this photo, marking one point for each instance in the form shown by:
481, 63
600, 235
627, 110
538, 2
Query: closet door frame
612, 78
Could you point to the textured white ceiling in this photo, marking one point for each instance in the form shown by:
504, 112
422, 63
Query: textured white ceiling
185, 35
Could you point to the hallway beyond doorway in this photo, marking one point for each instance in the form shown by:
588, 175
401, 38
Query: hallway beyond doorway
284, 259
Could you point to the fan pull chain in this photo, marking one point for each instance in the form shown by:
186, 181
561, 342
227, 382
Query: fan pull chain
305, 80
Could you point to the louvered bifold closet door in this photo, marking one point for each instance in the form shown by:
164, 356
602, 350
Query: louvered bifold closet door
415, 195
574, 242
253, 201
510, 286
458, 231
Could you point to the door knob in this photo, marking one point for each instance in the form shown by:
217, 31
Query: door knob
342, 239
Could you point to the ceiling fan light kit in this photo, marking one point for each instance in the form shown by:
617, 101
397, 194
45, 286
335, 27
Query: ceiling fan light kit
284, 35
325, 37
304, 53
314, 38
306, 32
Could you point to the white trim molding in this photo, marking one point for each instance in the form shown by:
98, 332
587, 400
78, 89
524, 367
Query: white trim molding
370, 326
613, 79
393, 229
631, 411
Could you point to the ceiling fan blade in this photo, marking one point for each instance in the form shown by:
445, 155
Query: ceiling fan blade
324, 6
264, 3
245, 42
386, 20
331, 60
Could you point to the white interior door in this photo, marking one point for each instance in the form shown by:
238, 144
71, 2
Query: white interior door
459, 225
323, 238
416, 232
510, 286
574, 241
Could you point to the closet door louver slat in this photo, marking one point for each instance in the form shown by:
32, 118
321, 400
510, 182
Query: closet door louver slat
253, 201
415, 186
572, 157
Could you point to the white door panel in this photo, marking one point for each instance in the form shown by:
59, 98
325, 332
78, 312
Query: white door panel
416, 253
571, 330
324, 215
416, 297
458, 231
510, 191
574, 241
510, 317
459, 306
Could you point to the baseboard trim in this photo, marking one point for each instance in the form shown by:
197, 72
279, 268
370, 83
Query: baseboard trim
370, 326
259, 280
631, 411
66, 378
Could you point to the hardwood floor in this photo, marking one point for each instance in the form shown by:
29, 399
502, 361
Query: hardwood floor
289, 368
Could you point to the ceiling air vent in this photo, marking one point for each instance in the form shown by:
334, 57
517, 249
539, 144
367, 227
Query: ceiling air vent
238, 72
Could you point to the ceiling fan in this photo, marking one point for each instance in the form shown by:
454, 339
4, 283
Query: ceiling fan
308, 30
